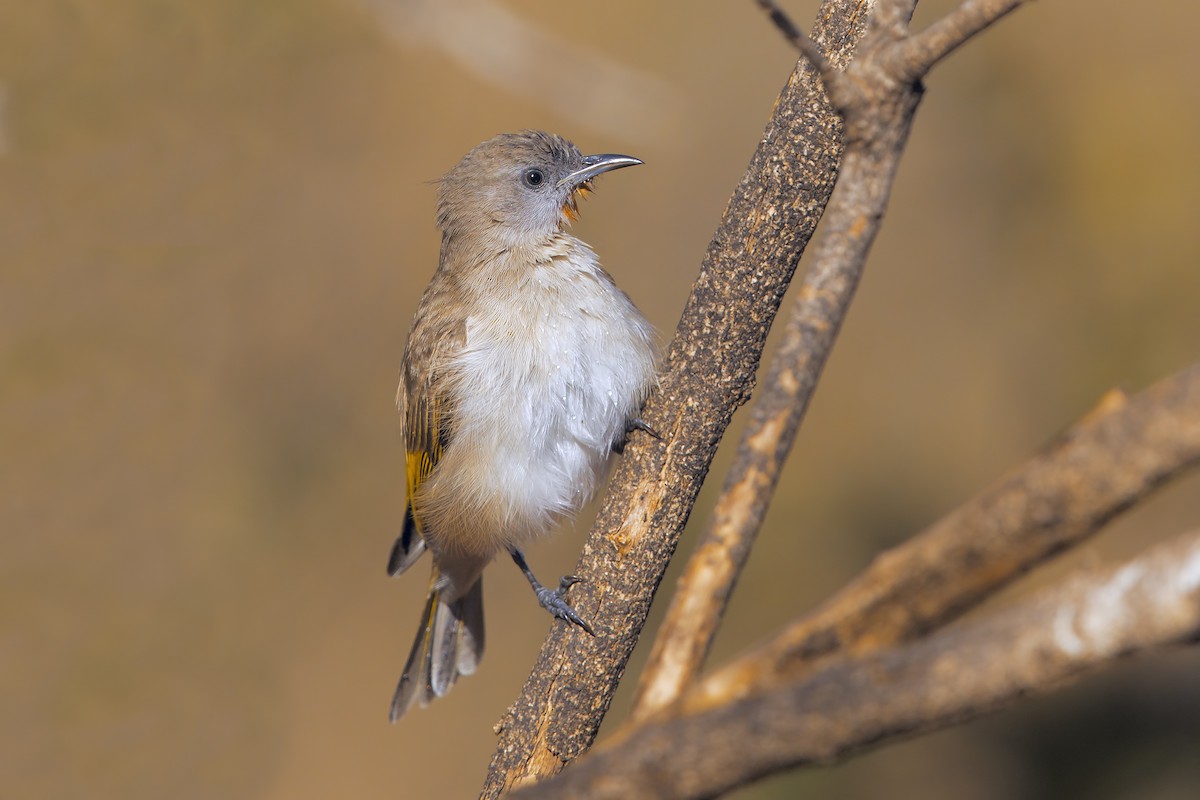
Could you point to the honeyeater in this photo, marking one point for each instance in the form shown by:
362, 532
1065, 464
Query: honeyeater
525, 369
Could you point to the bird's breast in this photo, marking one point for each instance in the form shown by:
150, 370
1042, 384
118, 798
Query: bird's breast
555, 363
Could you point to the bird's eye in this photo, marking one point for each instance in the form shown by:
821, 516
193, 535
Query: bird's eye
534, 178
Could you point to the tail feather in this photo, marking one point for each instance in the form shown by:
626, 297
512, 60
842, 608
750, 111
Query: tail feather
441, 653
408, 547
449, 643
470, 632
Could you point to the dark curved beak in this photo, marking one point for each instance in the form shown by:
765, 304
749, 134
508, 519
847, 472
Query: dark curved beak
597, 164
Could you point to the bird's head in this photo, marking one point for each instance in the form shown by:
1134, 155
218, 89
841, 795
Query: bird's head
519, 185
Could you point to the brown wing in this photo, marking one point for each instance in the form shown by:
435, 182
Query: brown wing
424, 407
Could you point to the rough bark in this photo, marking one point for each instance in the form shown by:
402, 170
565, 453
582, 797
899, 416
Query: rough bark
708, 372
1111, 459
1147, 603
877, 107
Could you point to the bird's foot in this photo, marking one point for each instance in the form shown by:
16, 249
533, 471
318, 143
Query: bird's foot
555, 601
635, 424
639, 424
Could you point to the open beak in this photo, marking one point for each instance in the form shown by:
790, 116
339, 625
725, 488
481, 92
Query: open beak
595, 165
580, 181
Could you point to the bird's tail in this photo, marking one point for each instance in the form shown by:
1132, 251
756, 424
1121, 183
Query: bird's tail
449, 643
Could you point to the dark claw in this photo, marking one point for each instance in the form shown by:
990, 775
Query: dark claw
553, 600
635, 424
639, 424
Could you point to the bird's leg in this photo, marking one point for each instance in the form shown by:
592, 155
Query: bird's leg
635, 424
553, 600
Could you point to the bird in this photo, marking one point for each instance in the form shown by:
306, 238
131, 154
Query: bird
524, 371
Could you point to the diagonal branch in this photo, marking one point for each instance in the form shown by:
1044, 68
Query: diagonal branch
708, 372
796, 37
852, 222
1108, 461
878, 104
1147, 603
922, 50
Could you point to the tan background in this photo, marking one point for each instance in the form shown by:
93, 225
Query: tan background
216, 220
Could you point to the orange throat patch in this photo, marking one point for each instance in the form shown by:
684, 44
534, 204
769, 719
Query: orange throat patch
571, 206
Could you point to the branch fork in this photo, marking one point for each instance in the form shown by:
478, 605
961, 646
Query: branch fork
873, 661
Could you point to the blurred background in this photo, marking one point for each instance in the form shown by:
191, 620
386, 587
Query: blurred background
215, 223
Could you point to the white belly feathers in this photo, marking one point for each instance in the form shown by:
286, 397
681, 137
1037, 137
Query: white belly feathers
542, 395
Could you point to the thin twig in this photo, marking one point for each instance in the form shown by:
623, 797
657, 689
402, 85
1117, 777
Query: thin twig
1146, 604
922, 50
795, 36
1105, 463
781, 20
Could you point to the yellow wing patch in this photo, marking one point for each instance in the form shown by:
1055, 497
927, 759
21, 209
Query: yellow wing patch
424, 438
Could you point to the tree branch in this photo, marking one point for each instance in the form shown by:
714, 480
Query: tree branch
1145, 604
877, 96
922, 50
1107, 462
795, 36
708, 372
852, 222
